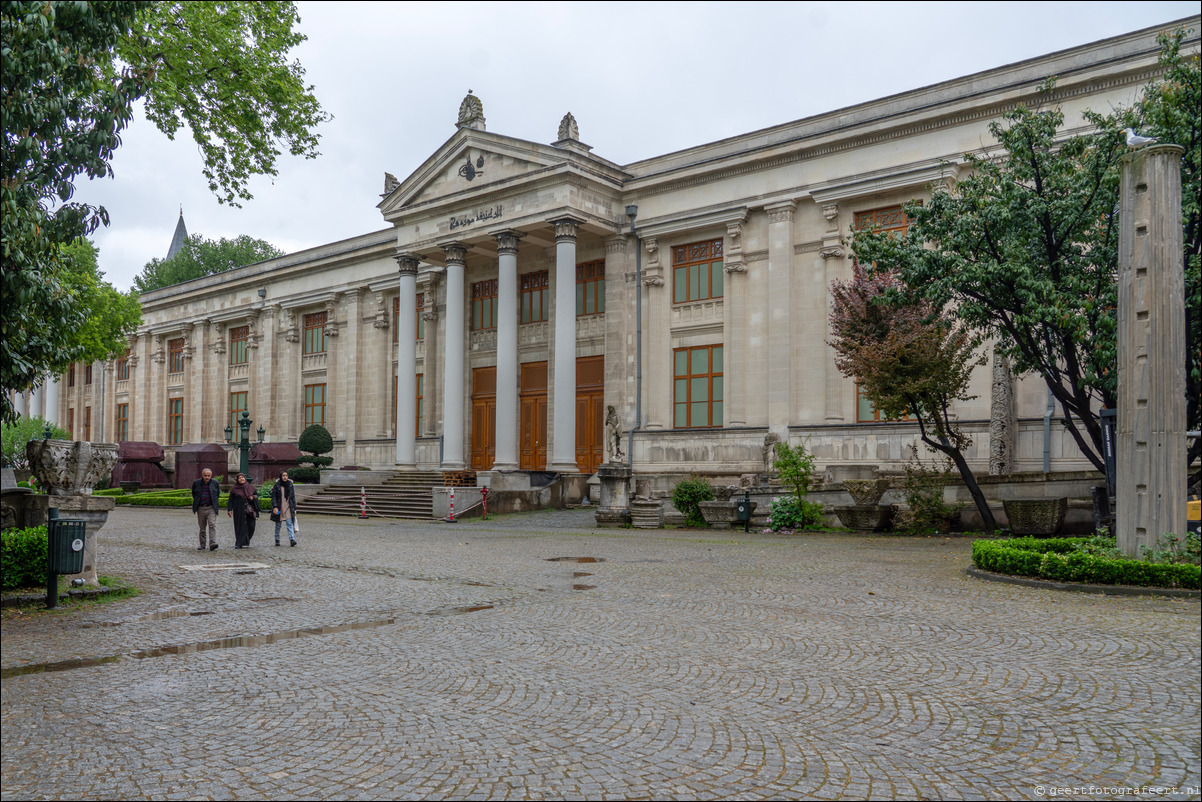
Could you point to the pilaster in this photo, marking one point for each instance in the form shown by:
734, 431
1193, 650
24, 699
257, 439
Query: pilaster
780, 316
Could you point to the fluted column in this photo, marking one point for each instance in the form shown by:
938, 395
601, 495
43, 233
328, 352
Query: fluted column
507, 352
406, 363
453, 353
563, 402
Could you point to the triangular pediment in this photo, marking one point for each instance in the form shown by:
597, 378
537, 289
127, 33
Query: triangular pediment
470, 161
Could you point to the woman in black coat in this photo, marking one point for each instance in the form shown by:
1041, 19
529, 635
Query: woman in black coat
243, 506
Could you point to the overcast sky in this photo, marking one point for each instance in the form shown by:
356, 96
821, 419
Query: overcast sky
642, 79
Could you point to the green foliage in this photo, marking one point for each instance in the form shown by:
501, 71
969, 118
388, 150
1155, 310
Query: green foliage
789, 513
112, 315
72, 74
688, 494
923, 491
14, 436
23, 556
201, 257
305, 476
1175, 550
1078, 560
314, 440
795, 468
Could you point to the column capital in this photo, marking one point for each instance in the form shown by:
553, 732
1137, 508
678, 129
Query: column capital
781, 212
455, 252
507, 241
407, 263
566, 228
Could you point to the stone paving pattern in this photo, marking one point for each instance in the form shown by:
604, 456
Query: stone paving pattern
683, 665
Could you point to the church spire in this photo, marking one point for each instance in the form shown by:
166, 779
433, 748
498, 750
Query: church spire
181, 234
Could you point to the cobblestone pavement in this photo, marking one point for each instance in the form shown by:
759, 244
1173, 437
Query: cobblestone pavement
384, 660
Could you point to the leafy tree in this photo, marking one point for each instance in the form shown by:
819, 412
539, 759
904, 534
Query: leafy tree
14, 436
111, 315
203, 257
910, 359
795, 468
72, 73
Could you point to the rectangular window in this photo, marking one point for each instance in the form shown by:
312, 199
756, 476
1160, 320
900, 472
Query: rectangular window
315, 404
87, 373
239, 338
590, 288
123, 368
867, 413
237, 407
175, 421
71, 375
122, 422
697, 271
484, 305
315, 333
396, 316
534, 288
697, 387
175, 355
87, 424
890, 218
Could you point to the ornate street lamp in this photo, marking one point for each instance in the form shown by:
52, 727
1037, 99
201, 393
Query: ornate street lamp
244, 441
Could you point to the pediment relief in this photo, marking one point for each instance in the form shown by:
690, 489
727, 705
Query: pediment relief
472, 168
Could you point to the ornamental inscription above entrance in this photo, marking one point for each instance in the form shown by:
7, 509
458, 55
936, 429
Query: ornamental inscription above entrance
459, 221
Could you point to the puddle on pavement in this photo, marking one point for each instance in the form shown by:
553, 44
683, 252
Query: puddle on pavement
578, 574
576, 559
461, 610
583, 587
60, 665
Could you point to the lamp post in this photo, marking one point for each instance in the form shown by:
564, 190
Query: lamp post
243, 441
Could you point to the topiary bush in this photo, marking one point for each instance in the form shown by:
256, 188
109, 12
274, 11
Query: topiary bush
23, 554
1063, 559
687, 494
315, 440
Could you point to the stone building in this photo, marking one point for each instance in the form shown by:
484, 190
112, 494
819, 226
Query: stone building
494, 319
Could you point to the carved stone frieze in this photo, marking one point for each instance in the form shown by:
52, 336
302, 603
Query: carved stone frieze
615, 245
780, 214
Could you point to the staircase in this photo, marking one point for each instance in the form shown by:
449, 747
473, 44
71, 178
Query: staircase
406, 494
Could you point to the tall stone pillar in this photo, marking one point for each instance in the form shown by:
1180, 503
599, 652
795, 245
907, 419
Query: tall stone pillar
1151, 350
1001, 417
619, 329
507, 352
52, 414
734, 325
453, 355
563, 401
657, 341
832, 258
262, 347
37, 401
780, 317
406, 363
349, 372
156, 415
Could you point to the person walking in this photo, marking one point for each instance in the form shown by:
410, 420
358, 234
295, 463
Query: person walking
206, 495
283, 507
243, 507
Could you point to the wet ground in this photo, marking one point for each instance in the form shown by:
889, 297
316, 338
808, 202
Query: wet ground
537, 657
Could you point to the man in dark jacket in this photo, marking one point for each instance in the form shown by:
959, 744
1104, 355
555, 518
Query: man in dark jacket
206, 496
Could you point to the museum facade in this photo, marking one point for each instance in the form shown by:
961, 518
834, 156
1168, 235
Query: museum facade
522, 289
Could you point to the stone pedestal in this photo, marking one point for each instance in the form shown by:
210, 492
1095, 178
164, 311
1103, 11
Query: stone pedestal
647, 513
866, 517
614, 509
1042, 517
94, 510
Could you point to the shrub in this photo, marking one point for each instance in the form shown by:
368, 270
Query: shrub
23, 555
305, 476
794, 467
315, 440
14, 436
687, 494
923, 490
1078, 560
788, 514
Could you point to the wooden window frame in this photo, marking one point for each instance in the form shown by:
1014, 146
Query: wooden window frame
240, 345
884, 218
313, 406
237, 397
175, 421
713, 396
484, 305
590, 274
123, 368
705, 258
87, 374
396, 317
175, 355
121, 421
87, 424
71, 375
314, 339
417, 418
534, 297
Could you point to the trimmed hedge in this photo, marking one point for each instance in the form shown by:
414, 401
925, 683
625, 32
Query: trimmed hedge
161, 500
1057, 559
23, 555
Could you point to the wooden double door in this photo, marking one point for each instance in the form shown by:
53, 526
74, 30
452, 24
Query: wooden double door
532, 415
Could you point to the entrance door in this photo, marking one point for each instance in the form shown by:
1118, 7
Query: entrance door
590, 413
533, 401
484, 418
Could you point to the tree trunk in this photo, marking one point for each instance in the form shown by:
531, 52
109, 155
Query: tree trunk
970, 481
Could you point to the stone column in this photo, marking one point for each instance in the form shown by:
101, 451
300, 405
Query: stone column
1001, 417
832, 258
406, 363
336, 354
349, 373
52, 415
453, 355
156, 414
1150, 432
37, 402
619, 329
19, 402
507, 352
780, 316
734, 328
563, 401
